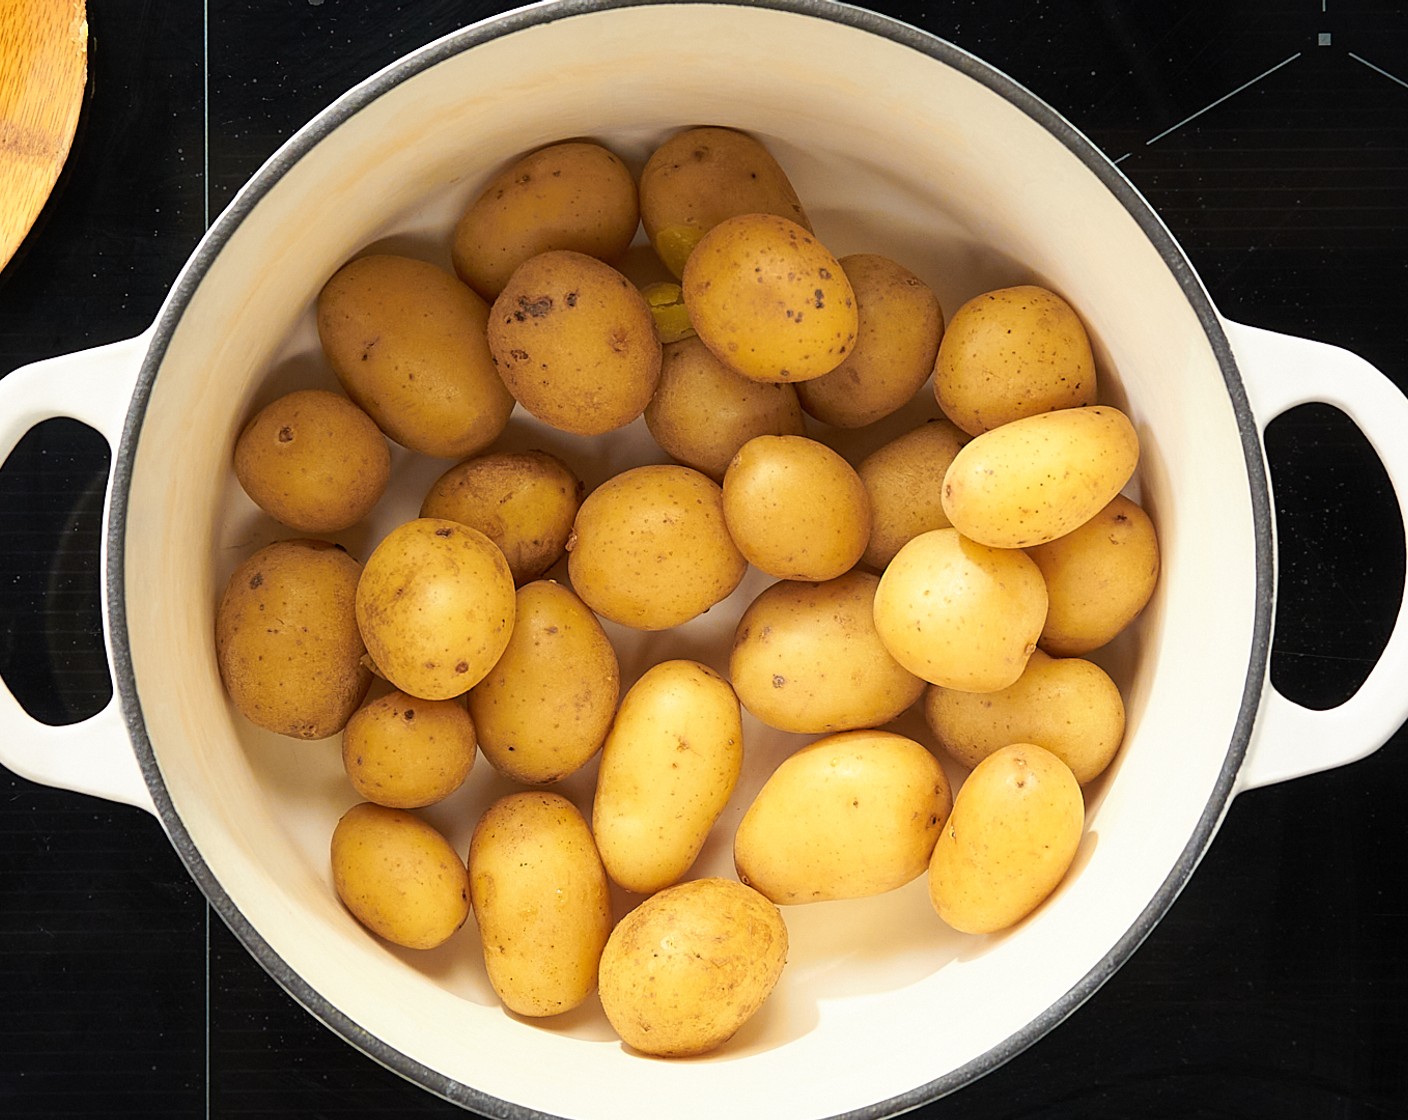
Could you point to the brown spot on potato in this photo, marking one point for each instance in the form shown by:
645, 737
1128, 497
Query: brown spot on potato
256, 581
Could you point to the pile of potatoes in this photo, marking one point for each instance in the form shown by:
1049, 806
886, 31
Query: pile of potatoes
966, 567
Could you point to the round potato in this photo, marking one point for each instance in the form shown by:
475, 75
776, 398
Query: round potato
407, 341
406, 753
398, 876
668, 768
769, 299
689, 966
899, 324
703, 412
1015, 827
574, 195
544, 709
435, 607
904, 480
287, 642
1067, 705
575, 343
542, 902
650, 548
313, 460
1038, 478
958, 613
848, 816
1011, 353
699, 177
806, 658
796, 509
1099, 577
523, 501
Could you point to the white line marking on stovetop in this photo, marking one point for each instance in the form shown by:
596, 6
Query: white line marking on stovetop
1224, 97
1378, 69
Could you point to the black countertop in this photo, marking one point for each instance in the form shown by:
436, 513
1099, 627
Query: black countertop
1272, 137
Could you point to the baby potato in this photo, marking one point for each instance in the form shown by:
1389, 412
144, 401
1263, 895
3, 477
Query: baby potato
406, 753
958, 613
287, 642
703, 412
398, 876
523, 501
806, 658
668, 768
769, 299
684, 970
1067, 705
575, 343
435, 607
795, 508
1012, 836
1038, 478
407, 341
699, 177
574, 195
313, 461
1099, 576
904, 480
650, 548
848, 816
897, 337
544, 708
542, 902
1011, 353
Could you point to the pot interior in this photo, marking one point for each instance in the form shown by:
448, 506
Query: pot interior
897, 144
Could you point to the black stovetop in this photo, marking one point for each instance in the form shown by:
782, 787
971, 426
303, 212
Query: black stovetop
1272, 137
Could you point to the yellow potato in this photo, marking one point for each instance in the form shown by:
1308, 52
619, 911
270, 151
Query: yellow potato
848, 816
1067, 705
1038, 478
668, 768
689, 966
575, 343
435, 607
523, 501
1011, 353
806, 658
407, 341
399, 876
574, 195
795, 508
287, 642
1099, 577
1015, 827
769, 299
650, 548
542, 902
904, 480
703, 412
406, 753
313, 461
544, 708
960, 614
897, 337
699, 177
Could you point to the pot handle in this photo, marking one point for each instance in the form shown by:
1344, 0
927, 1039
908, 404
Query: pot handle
93, 756
1281, 371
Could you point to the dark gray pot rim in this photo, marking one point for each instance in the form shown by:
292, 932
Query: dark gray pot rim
508, 23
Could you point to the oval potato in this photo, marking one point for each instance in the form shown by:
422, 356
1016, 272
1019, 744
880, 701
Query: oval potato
406, 753
904, 480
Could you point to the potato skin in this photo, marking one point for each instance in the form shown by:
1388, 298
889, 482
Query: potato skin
904, 481
406, 753
544, 709
684, 970
398, 876
287, 642
407, 341
574, 195
541, 900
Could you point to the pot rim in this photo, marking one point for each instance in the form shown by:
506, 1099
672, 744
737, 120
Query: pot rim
549, 11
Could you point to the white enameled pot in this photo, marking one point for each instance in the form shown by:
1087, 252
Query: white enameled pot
899, 143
